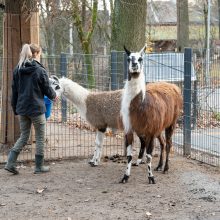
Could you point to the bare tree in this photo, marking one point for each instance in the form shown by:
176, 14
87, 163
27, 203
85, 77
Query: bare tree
218, 19
55, 22
85, 31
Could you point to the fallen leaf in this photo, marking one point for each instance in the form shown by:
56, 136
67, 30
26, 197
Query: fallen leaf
148, 214
109, 133
41, 190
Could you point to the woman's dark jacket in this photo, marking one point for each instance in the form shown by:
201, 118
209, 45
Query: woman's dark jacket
30, 84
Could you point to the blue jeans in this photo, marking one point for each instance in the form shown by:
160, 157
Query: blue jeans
39, 123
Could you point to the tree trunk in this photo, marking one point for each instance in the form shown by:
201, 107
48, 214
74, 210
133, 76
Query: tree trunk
129, 25
85, 35
88, 65
205, 11
218, 19
21, 25
182, 25
129, 30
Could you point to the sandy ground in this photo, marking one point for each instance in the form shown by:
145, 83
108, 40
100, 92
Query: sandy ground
75, 191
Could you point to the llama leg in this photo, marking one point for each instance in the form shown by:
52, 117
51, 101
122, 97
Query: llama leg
162, 147
98, 148
128, 143
150, 148
141, 153
168, 133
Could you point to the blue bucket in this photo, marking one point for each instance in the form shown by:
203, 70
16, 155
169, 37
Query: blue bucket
48, 104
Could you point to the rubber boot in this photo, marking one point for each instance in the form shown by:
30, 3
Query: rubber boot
39, 168
10, 165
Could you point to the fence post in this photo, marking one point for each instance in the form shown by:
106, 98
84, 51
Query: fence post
187, 94
63, 72
125, 56
195, 104
113, 70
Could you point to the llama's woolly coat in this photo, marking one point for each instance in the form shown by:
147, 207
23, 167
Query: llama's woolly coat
100, 109
159, 109
103, 109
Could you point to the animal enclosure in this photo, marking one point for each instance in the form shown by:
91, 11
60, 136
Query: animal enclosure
69, 136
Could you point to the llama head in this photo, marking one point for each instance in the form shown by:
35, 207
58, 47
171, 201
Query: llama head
135, 62
55, 84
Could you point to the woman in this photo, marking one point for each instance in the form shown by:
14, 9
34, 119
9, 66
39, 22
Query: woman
29, 86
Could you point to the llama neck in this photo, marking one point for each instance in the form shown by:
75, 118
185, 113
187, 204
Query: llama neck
135, 86
76, 94
131, 90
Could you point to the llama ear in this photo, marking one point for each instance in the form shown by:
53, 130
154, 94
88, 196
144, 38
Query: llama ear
127, 51
142, 51
57, 87
54, 77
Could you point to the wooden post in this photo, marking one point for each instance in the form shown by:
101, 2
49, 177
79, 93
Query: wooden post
21, 25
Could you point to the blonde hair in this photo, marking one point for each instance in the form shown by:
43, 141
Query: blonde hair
25, 55
28, 52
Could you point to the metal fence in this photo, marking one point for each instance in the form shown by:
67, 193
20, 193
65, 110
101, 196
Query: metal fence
205, 134
197, 132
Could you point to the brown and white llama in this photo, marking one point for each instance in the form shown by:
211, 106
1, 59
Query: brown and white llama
148, 110
101, 110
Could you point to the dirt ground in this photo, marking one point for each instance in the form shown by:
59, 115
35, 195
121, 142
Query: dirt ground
75, 191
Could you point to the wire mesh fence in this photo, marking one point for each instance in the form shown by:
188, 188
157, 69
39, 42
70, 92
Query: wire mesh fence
206, 132
68, 135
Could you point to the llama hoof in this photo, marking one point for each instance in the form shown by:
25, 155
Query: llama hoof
158, 168
165, 171
151, 179
92, 164
124, 179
